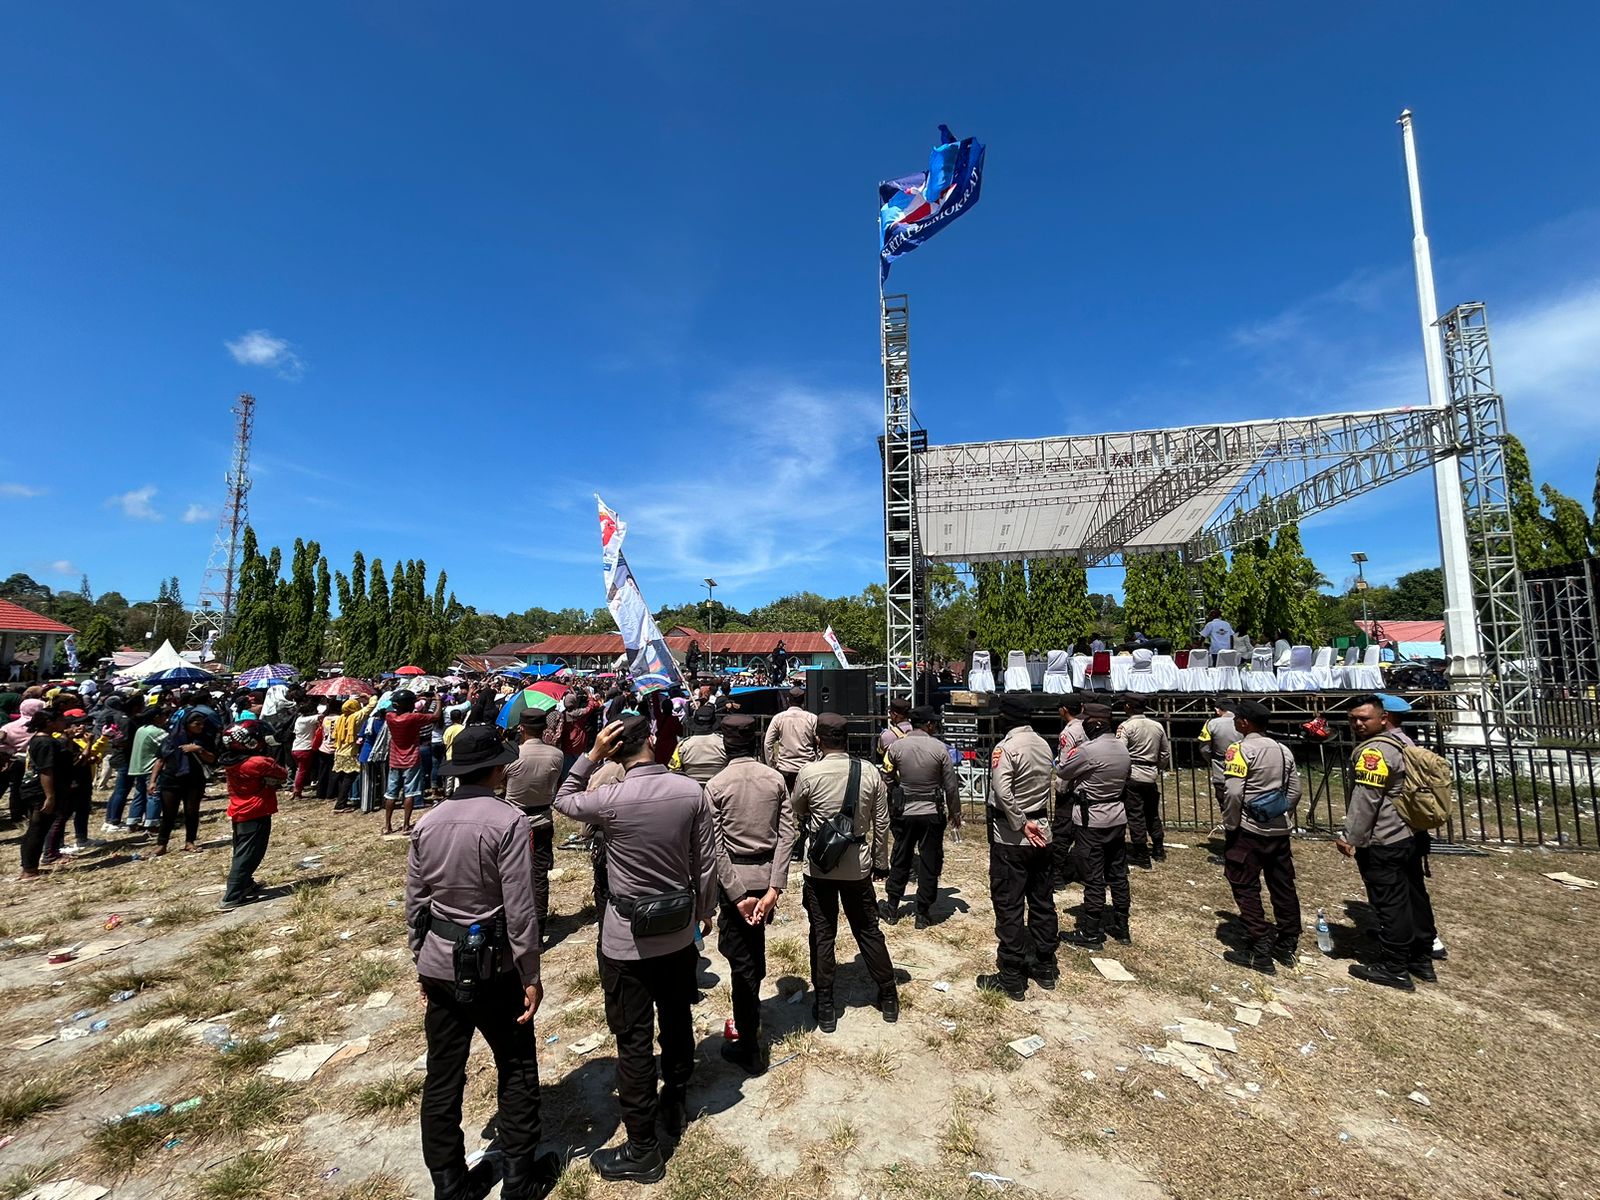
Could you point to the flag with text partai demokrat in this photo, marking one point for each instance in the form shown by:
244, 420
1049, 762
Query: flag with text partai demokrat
913, 209
647, 649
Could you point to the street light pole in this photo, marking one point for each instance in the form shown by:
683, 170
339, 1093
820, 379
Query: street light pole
711, 589
1361, 586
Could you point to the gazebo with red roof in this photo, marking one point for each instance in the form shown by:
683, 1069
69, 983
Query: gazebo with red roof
16, 621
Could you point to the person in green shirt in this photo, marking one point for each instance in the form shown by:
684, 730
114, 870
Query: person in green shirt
144, 805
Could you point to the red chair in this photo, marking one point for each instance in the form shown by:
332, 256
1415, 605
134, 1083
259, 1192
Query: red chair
1099, 667
1180, 659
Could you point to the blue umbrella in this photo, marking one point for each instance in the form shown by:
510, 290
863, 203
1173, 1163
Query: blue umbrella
179, 675
653, 682
269, 676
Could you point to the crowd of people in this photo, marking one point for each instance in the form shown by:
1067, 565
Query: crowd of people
694, 813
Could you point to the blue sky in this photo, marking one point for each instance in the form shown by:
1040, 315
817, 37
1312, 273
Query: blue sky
477, 263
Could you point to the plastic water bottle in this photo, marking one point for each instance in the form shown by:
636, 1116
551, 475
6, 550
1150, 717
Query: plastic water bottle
1324, 934
699, 941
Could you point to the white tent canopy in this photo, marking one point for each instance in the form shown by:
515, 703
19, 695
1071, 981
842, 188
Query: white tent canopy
164, 659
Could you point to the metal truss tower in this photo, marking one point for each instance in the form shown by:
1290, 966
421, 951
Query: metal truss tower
902, 547
219, 589
1491, 543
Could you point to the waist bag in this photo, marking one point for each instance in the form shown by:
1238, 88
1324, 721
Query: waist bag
652, 916
833, 837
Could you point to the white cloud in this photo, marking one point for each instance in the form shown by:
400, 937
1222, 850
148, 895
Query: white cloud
196, 513
62, 566
136, 504
261, 348
20, 491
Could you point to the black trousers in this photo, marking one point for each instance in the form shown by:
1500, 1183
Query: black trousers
745, 947
1249, 856
249, 848
449, 1025
33, 837
640, 993
1143, 802
1101, 857
919, 841
12, 781
822, 899
1398, 893
1020, 887
544, 861
185, 795
1062, 834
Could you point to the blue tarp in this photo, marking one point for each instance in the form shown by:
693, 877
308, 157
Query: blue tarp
537, 670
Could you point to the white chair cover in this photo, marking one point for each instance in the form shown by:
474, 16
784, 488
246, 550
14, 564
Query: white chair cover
1017, 677
1197, 675
1080, 671
1057, 673
1259, 676
1322, 669
1297, 676
981, 677
1036, 670
1368, 675
1225, 675
1245, 647
1141, 675
1168, 677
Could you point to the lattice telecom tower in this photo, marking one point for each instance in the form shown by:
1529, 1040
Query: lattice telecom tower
902, 547
218, 590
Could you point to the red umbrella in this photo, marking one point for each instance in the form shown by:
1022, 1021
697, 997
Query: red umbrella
342, 686
409, 671
554, 690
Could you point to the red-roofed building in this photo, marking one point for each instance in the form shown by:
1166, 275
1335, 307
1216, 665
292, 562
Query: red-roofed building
18, 622
592, 650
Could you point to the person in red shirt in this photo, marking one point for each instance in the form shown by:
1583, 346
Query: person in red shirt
253, 779
407, 727
570, 731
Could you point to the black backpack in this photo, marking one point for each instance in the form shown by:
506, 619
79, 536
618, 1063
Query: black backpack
837, 834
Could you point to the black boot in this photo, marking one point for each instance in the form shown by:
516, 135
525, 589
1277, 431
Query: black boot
1284, 953
1423, 970
923, 919
822, 1012
889, 1003
1384, 975
889, 911
449, 1183
1139, 855
1158, 850
1017, 989
1119, 929
752, 1058
1257, 956
672, 1110
1046, 975
629, 1163
531, 1179
1085, 937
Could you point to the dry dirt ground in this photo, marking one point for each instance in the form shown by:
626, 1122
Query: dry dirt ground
1484, 1085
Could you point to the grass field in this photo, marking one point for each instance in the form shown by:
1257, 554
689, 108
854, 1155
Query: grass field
1314, 1102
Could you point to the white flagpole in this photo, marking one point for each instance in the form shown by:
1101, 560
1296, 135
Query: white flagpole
1460, 617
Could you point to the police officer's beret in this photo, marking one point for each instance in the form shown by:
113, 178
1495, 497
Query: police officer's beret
924, 714
833, 724
1096, 712
1254, 711
739, 731
1394, 704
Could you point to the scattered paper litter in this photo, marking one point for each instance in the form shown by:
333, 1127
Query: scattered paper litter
419, 1063
266, 952
87, 951
1420, 1098
33, 1041
67, 1189
1113, 970
1087, 1076
558, 873
275, 1145
150, 1030
300, 1063
379, 1000
275, 1021
941, 986
1207, 1033
997, 1181
589, 1044
949, 1025
211, 889
1276, 1008
27, 939
1195, 1064
1028, 1046
1247, 1016
351, 1049
1566, 879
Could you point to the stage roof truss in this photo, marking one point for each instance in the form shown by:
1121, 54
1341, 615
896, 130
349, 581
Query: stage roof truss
1201, 489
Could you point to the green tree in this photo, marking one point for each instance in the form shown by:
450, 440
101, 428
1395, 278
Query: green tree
1288, 604
1247, 589
98, 640
1155, 597
952, 608
1058, 594
1567, 529
1418, 596
83, 589
987, 611
252, 639
25, 590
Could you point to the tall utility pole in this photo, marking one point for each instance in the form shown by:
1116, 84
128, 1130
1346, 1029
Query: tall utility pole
711, 598
1460, 611
219, 589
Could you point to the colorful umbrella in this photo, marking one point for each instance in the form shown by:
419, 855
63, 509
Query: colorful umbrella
541, 696
653, 683
343, 685
268, 676
419, 683
179, 675
409, 671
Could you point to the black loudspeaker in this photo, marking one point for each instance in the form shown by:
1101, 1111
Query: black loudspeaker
846, 691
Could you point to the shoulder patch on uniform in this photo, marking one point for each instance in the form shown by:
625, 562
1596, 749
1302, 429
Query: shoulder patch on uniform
1072, 751
994, 759
1235, 764
1372, 768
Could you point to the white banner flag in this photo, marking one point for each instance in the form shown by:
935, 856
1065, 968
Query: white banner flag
833, 643
640, 634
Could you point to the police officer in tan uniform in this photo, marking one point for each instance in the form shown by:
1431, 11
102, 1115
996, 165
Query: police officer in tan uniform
531, 783
1216, 735
820, 792
1151, 752
702, 754
1063, 871
1258, 814
1019, 858
929, 795
755, 837
1387, 854
1091, 780
791, 740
